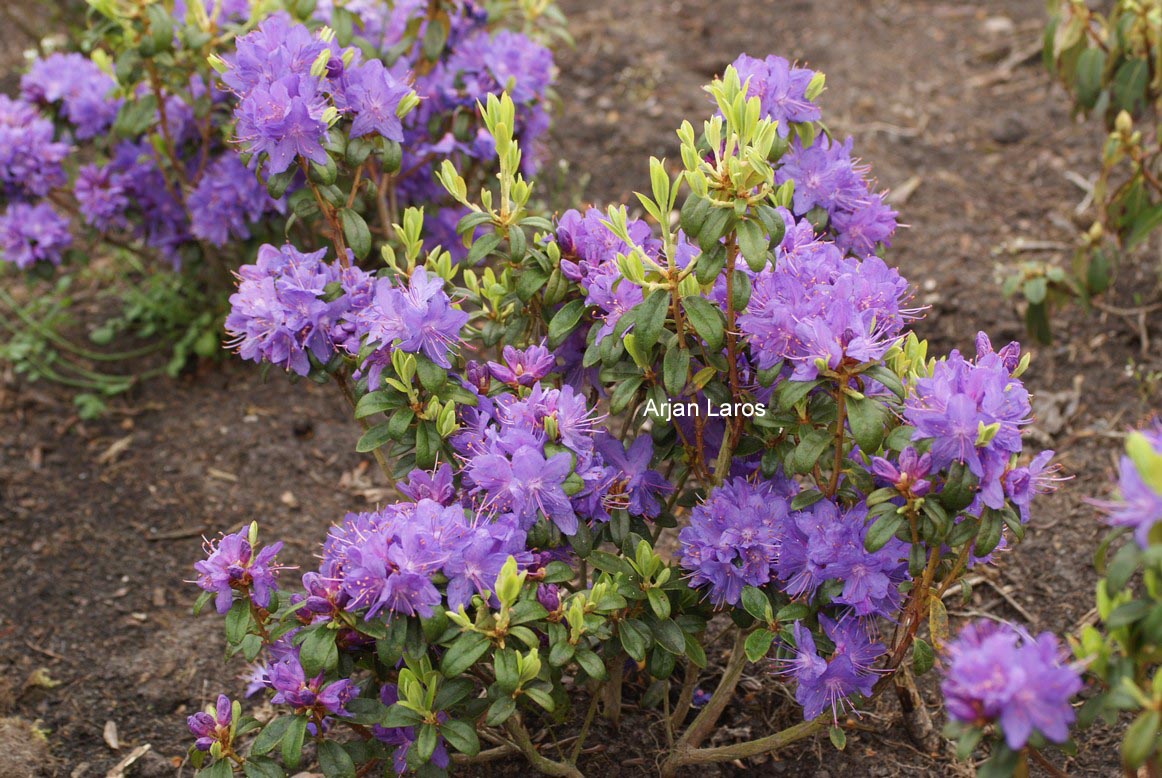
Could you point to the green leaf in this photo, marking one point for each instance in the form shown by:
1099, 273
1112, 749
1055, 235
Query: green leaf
238, 621
270, 736
1087, 76
463, 653
886, 377
590, 663
432, 376
375, 437
461, 736
356, 233
756, 603
810, 449
136, 116
565, 321
292, 742
706, 319
334, 761
529, 282
714, 226
373, 403
1127, 614
675, 369
499, 711
669, 636
1035, 290
427, 445
540, 697
837, 737
452, 692
561, 653
426, 742
650, 319
623, 394
398, 716
504, 666
882, 530
317, 652
659, 603
635, 638
866, 417
753, 244
694, 651
220, 769
1122, 567
989, 534
758, 644
922, 657
1142, 739
789, 393
260, 767
482, 248
693, 214
1129, 85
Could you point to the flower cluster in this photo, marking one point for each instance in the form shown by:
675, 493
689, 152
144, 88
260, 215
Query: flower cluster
385, 561
734, 538
826, 178
826, 543
972, 412
292, 85
33, 233
234, 564
746, 534
829, 684
292, 687
999, 674
817, 308
539, 455
417, 318
589, 251
292, 306
74, 85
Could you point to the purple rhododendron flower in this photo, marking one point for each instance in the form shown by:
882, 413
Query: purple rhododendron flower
908, 474
735, 537
386, 559
212, 726
1001, 674
781, 89
79, 86
823, 684
30, 160
280, 313
816, 306
1138, 504
417, 319
33, 233
226, 201
959, 402
292, 687
523, 368
232, 564
635, 487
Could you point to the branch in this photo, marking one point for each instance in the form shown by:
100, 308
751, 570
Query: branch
541, 762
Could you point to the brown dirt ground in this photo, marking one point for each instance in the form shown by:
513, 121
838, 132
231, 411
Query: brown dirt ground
99, 521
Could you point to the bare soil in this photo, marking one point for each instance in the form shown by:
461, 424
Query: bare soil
100, 522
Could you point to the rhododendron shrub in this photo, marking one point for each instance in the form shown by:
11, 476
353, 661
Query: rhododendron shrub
193, 132
573, 393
